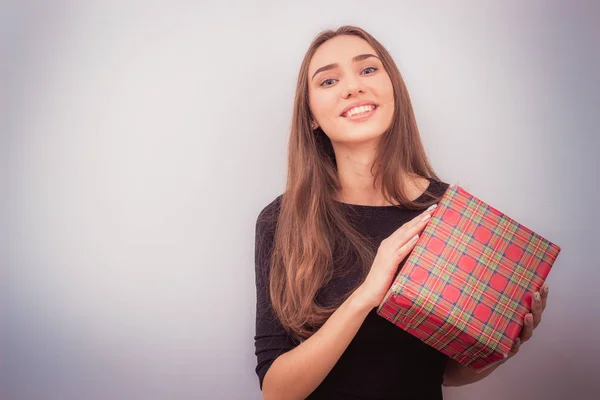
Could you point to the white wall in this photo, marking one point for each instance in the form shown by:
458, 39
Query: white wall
141, 139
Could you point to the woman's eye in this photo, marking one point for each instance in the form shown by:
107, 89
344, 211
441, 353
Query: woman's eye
326, 80
331, 79
373, 68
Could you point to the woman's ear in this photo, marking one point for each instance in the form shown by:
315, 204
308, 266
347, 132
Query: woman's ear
313, 124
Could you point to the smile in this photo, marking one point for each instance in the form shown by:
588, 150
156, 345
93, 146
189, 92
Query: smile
360, 113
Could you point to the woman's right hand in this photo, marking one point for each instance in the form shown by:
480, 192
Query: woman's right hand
390, 253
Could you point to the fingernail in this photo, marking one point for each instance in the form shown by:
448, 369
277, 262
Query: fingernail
425, 218
545, 288
414, 238
431, 207
537, 296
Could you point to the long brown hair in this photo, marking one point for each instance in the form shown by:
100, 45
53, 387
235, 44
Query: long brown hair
311, 226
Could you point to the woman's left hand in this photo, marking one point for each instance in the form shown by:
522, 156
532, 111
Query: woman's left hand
532, 320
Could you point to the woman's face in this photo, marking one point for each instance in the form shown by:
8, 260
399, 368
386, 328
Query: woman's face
343, 71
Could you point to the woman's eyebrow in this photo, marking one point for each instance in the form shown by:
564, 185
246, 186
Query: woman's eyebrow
359, 57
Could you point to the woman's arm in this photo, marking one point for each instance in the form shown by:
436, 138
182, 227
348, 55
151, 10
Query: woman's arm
297, 373
287, 369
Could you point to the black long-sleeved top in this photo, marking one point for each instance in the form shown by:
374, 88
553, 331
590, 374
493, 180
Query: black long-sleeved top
382, 361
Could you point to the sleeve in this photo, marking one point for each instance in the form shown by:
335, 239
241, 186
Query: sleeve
271, 339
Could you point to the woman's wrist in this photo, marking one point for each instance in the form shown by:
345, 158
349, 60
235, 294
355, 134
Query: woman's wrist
360, 301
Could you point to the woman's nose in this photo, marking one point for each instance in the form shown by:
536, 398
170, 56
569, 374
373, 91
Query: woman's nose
353, 87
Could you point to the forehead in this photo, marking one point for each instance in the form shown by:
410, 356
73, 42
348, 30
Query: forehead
339, 49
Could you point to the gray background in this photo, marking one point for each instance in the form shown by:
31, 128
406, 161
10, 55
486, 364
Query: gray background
141, 139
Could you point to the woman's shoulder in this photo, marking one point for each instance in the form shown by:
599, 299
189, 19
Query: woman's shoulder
431, 189
269, 213
266, 221
438, 186
265, 227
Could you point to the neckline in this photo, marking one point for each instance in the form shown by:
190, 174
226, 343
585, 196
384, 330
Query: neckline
419, 199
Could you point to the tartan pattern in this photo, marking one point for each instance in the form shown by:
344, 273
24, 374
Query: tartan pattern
468, 283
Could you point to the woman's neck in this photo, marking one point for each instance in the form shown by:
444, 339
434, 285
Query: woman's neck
358, 189
356, 181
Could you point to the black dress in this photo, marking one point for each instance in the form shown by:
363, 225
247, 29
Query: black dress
382, 361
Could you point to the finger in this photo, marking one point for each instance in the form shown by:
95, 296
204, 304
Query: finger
407, 247
527, 330
419, 218
516, 347
544, 293
408, 230
536, 309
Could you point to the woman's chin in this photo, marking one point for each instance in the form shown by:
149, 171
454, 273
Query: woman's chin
358, 135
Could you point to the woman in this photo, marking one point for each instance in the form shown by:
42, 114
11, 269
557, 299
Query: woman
328, 249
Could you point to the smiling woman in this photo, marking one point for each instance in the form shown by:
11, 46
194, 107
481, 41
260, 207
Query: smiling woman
328, 90
358, 191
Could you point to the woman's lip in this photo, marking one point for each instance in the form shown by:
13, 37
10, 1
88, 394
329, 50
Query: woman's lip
363, 116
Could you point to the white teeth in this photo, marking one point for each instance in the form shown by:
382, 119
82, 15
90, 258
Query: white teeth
359, 110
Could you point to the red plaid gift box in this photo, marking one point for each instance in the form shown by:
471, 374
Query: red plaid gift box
468, 282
